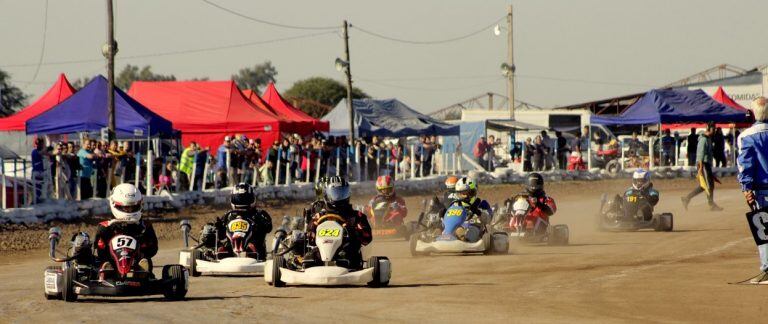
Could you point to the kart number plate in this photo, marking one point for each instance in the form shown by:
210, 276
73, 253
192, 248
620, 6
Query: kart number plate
328, 232
454, 212
632, 199
123, 241
238, 225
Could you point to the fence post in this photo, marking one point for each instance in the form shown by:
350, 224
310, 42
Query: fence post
413, 161
358, 173
46, 177
288, 173
367, 165
4, 183
57, 174
254, 179
15, 186
621, 148
308, 170
278, 162
347, 166
389, 159
192, 176
677, 153
317, 166
228, 168
137, 174
338, 161
163, 173
204, 176
650, 153
150, 165
397, 160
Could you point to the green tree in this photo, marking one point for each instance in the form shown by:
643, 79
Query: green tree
81, 82
256, 77
316, 96
11, 97
132, 73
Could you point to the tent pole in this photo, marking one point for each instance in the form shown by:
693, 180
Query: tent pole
4, 183
15, 187
589, 147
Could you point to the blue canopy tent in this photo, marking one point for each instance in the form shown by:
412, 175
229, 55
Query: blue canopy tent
388, 117
669, 106
86, 111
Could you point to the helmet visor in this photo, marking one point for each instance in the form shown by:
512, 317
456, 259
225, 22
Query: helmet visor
337, 193
386, 191
129, 208
639, 182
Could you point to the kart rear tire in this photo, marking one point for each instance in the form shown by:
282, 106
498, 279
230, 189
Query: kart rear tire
68, 285
177, 288
499, 236
277, 262
374, 262
560, 235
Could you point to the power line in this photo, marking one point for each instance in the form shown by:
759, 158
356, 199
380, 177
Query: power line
428, 42
262, 21
497, 79
178, 52
42, 49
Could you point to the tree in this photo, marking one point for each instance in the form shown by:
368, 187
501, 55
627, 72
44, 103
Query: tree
11, 97
255, 78
316, 96
81, 82
132, 73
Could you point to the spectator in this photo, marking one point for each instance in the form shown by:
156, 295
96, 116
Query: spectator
405, 166
547, 142
38, 168
490, 153
428, 152
200, 162
576, 143
222, 172
562, 150
86, 158
528, 151
266, 173
718, 148
186, 164
584, 144
635, 145
480, 150
693, 140
667, 149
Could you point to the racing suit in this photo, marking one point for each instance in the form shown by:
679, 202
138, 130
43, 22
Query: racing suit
394, 203
360, 234
753, 171
476, 206
542, 207
258, 218
141, 231
649, 197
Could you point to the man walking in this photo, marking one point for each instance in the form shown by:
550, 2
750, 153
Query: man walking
704, 175
753, 170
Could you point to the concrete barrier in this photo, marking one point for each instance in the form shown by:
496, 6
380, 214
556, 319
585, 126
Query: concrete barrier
72, 210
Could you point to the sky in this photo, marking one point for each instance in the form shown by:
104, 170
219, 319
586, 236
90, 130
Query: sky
566, 51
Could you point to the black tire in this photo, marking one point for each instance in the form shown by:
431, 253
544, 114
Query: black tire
277, 262
559, 235
68, 285
374, 263
173, 275
506, 248
661, 226
57, 296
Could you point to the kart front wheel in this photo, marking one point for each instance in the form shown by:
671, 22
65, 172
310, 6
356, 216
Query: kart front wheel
277, 262
381, 271
68, 285
413, 241
176, 280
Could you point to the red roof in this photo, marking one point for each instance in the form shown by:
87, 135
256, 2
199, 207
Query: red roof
282, 107
59, 92
206, 111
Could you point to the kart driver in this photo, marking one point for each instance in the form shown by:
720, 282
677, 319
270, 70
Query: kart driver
337, 194
466, 195
542, 204
385, 186
242, 201
642, 188
125, 204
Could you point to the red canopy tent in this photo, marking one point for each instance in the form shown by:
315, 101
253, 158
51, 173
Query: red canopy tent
723, 98
283, 108
207, 111
60, 91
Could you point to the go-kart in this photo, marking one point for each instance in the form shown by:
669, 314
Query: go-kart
524, 223
121, 276
387, 220
457, 232
626, 213
236, 257
332, 268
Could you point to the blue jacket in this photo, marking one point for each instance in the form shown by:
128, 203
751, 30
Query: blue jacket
753, 157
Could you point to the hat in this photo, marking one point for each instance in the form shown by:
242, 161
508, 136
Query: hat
227, 138
251, 141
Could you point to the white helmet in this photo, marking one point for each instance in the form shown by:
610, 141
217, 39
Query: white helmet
125, 203
641, 179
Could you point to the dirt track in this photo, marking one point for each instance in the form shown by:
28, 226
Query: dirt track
607, 277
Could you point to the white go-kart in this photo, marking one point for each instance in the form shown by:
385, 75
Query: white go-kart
237, 257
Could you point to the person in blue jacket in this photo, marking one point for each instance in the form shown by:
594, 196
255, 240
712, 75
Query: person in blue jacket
753, 170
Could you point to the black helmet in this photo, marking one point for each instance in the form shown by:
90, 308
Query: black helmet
242, 196
337, 191
535, 183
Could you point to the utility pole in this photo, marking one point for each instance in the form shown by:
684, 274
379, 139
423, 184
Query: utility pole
111, 49
348, 72
511, 62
